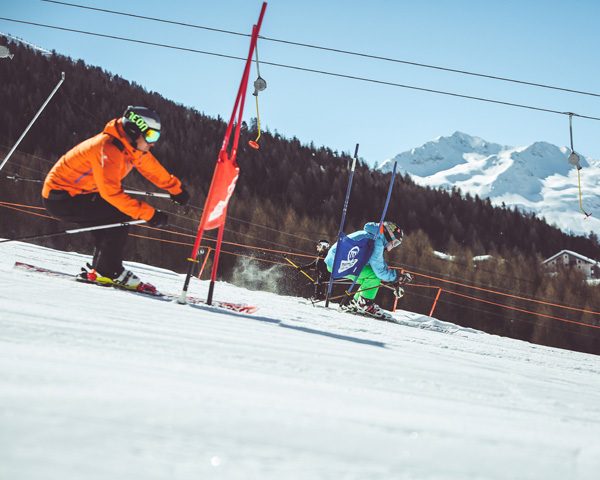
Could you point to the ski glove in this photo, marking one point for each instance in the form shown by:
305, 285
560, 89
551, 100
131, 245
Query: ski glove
398, 290
181, 198
404, 277
160, 219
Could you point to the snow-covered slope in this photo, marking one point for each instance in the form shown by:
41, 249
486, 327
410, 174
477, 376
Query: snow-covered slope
537, 178
14, 39
97, 383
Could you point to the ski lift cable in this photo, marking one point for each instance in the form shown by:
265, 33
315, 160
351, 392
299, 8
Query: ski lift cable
310, 70
334, 50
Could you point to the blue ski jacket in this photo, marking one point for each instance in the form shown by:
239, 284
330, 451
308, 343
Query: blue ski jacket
377, 262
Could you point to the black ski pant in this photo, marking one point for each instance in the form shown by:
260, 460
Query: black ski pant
90, 210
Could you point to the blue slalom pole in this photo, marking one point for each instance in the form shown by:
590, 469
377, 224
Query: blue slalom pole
389, 195
341, 229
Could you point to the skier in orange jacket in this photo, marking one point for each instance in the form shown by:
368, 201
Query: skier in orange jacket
84, 187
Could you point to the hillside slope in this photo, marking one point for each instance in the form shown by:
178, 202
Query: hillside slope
97, 383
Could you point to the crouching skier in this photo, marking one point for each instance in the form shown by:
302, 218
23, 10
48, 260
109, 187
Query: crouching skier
375, 270
320, 270
84, 187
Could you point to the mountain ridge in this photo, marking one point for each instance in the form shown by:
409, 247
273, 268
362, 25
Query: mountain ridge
535, 178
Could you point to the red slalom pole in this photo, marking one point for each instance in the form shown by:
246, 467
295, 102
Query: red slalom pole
225, 175
213, 274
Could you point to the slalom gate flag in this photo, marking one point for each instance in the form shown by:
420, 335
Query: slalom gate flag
351, 256
227, 170
221, 190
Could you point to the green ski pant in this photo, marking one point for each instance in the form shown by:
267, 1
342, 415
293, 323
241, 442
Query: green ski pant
368, 282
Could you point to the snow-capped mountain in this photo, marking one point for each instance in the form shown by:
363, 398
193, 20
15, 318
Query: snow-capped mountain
535, 178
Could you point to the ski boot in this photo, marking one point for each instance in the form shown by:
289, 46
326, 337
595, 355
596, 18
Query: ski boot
127, 280
369, 308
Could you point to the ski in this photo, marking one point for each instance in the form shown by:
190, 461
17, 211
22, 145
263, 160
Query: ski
150, 293
384, 316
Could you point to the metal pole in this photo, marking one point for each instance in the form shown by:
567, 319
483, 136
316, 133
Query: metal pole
62, 79
437, 297
204, 262
341, 229
571, 130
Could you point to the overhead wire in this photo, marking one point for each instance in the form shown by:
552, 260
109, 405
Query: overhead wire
330, 49
310, 70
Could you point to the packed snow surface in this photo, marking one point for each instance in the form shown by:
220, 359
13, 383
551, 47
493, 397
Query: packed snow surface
97, 383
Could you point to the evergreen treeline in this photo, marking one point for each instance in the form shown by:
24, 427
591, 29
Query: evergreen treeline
289, 195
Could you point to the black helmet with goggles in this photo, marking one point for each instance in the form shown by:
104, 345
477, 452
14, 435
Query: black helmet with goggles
393, 235
141, 121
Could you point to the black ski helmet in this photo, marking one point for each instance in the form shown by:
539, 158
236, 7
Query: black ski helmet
322, 246
141, 121
393, 235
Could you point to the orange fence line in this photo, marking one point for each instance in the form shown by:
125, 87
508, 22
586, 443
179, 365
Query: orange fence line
159, 239
582, 310
520, 309
224, 251
419, 285
25, 211
7, 205
283, 252
24, 206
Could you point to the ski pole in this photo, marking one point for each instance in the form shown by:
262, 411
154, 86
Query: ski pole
148, 194
301, 271
12, 150
75, 230
18, 178
335, 282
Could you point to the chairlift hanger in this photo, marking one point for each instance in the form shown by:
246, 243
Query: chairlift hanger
575, 160
260, 84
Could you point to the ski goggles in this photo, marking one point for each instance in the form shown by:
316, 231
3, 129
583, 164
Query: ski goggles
393, 243
390, 235
151, 135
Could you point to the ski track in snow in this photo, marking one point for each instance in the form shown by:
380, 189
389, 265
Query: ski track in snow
97, 383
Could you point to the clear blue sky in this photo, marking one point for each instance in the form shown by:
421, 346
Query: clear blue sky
543, 41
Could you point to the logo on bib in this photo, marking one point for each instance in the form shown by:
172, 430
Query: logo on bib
350, 261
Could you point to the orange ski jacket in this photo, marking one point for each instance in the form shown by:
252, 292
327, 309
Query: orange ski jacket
100, 163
